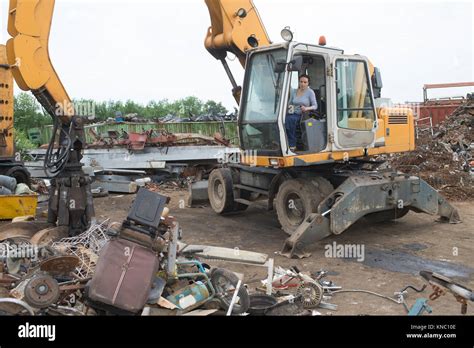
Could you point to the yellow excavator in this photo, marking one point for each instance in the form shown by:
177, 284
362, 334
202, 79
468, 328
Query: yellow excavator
331, 180
321, 188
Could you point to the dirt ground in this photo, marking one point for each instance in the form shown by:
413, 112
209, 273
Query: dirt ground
394, 251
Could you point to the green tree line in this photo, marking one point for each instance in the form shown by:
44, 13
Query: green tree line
29, 113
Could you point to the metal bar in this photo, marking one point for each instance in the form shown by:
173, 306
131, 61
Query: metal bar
250, 188
448, 85
234, 298
171, 266
270, 277
229, 73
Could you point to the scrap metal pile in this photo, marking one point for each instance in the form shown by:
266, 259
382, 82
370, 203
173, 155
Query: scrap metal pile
135, 118
139, 267
198, 118
444, 159
152, 137
130, 268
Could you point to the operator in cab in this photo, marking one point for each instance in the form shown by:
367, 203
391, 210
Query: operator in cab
302, 100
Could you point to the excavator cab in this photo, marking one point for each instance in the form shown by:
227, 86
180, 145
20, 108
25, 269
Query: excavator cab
346, 115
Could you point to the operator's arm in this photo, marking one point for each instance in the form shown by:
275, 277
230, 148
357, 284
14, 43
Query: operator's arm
312, 99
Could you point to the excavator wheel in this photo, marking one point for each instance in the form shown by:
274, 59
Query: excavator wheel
220, 191
298, 198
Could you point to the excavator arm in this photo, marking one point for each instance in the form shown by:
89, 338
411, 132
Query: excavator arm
235, 27
29, 24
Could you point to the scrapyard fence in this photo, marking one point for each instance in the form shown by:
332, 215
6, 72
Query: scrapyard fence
203, 128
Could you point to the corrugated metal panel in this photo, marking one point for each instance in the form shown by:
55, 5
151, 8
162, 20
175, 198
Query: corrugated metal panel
204, 128
437, 112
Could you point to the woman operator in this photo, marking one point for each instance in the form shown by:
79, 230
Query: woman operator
302, 100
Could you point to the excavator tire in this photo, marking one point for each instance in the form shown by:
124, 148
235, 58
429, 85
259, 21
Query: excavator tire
298, 198
220, 191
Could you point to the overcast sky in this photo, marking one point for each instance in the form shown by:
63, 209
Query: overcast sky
144, 50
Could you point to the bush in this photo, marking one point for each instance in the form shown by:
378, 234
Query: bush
22, 143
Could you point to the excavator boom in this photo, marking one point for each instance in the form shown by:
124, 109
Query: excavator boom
29, 24
235, 27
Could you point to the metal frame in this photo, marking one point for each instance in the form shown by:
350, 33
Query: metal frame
363, 194
426, 127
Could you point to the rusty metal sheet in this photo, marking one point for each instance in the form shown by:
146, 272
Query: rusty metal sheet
59, 265
49, 234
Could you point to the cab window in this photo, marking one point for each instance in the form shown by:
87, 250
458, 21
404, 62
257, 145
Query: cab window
355, 109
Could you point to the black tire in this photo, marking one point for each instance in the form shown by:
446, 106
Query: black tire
220, 191
20, 173
386, 215
224, 282
323, 185
298, 198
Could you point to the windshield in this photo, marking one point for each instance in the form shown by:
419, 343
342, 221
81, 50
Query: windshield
261, 101
263, 94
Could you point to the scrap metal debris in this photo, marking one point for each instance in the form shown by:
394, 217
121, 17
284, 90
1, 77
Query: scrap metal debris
445, 159
97, 273
152, 138
65, 276
86, 247
442, 284
299, 293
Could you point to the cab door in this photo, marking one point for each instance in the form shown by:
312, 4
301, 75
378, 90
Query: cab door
354, 114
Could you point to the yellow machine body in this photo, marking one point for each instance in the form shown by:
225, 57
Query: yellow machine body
13, 206
7, 132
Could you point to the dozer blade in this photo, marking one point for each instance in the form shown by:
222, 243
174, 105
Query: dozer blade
364, 194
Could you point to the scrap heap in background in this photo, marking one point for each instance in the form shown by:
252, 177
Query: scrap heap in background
444, 159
